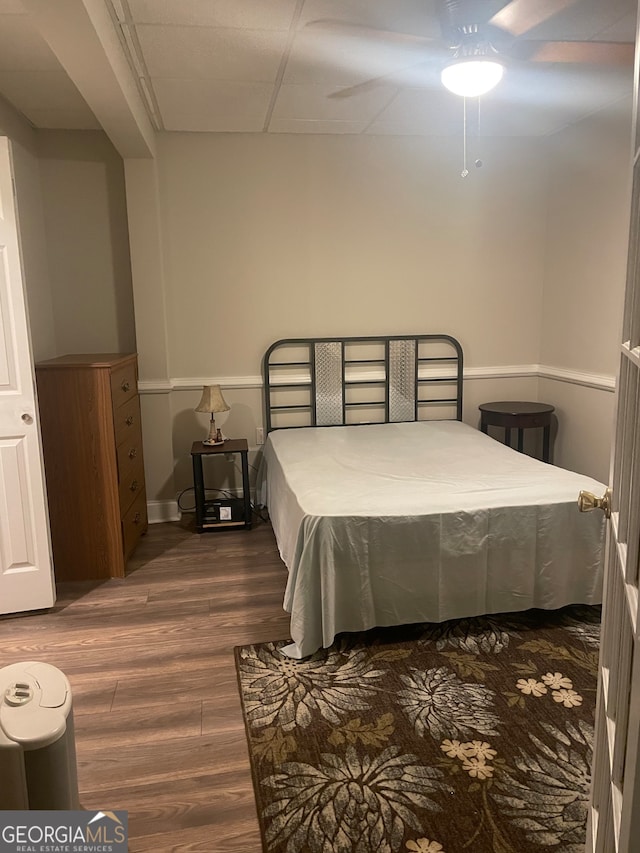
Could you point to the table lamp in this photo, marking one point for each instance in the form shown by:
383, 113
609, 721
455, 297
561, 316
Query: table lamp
212, 401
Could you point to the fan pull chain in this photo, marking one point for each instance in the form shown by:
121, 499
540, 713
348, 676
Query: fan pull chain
477, 163
465, 171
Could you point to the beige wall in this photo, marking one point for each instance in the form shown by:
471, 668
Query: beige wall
586, 251
32, 234
74, 239
268, 236
85, 221
586, 246
15, 126
582, 441
33, 246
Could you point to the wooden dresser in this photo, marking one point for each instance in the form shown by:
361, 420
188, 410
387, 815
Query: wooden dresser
92, 445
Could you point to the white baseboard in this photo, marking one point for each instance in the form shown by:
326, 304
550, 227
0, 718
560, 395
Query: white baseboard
159, 511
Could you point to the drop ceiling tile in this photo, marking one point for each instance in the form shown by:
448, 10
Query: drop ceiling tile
537, 100
582, 20
623, 30
254, 14
317, 58
22, 48
405, 16
421, 75
284, 125
424, 112
41, 90
314, 103
212, 53
207, 105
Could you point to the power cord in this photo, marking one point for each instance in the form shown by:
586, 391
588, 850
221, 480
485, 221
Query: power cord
255, 509
224, 492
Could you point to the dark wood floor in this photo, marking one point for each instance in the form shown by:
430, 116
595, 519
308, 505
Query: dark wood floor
159, 730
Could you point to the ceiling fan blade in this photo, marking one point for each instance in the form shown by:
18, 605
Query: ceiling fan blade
388, 36
367, 85
520, 16
611, 53
359, 88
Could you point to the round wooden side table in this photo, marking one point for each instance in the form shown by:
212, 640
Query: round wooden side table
512, 414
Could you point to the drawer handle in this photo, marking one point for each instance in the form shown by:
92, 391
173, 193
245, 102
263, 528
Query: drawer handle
136, 518
125, 385
134, 485
129, 420
133, 453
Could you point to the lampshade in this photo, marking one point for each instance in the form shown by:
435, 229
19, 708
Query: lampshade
212, 400
472, 77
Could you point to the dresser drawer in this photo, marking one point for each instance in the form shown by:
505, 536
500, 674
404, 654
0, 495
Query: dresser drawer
131, 486
92, 446
124, 384
129, 452
134, 523
126, 421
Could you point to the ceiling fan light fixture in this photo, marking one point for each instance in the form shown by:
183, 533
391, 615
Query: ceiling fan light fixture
472, 77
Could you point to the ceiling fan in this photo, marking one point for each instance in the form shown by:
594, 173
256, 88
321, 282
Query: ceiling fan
478, 41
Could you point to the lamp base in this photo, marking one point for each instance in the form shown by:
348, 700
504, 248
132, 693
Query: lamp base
215, 435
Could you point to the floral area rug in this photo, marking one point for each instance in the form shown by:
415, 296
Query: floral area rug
475, 734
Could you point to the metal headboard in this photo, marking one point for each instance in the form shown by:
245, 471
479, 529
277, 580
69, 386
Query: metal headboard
342, 381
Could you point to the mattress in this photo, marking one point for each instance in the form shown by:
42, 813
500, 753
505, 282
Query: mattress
390, 524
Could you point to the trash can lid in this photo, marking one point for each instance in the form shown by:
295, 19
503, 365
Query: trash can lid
35, 700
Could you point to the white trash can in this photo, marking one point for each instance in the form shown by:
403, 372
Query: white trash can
37, 744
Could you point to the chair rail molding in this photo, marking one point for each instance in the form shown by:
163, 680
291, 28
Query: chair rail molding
601, 382
166, 386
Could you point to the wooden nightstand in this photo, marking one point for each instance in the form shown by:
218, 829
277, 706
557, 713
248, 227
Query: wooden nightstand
223, 513
518, 415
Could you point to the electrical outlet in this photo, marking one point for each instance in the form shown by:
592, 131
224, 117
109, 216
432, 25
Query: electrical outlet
259, 435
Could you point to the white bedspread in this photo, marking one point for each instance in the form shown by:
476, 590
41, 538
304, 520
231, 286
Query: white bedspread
390, 524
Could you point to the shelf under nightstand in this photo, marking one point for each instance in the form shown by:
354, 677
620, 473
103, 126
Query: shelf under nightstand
208, 513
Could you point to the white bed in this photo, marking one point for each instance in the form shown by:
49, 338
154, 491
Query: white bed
390, 524
395, 523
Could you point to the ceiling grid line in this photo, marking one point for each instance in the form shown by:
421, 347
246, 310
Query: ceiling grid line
123, 24
295, 20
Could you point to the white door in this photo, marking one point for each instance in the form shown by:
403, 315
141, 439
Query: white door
615, 808
26, 574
